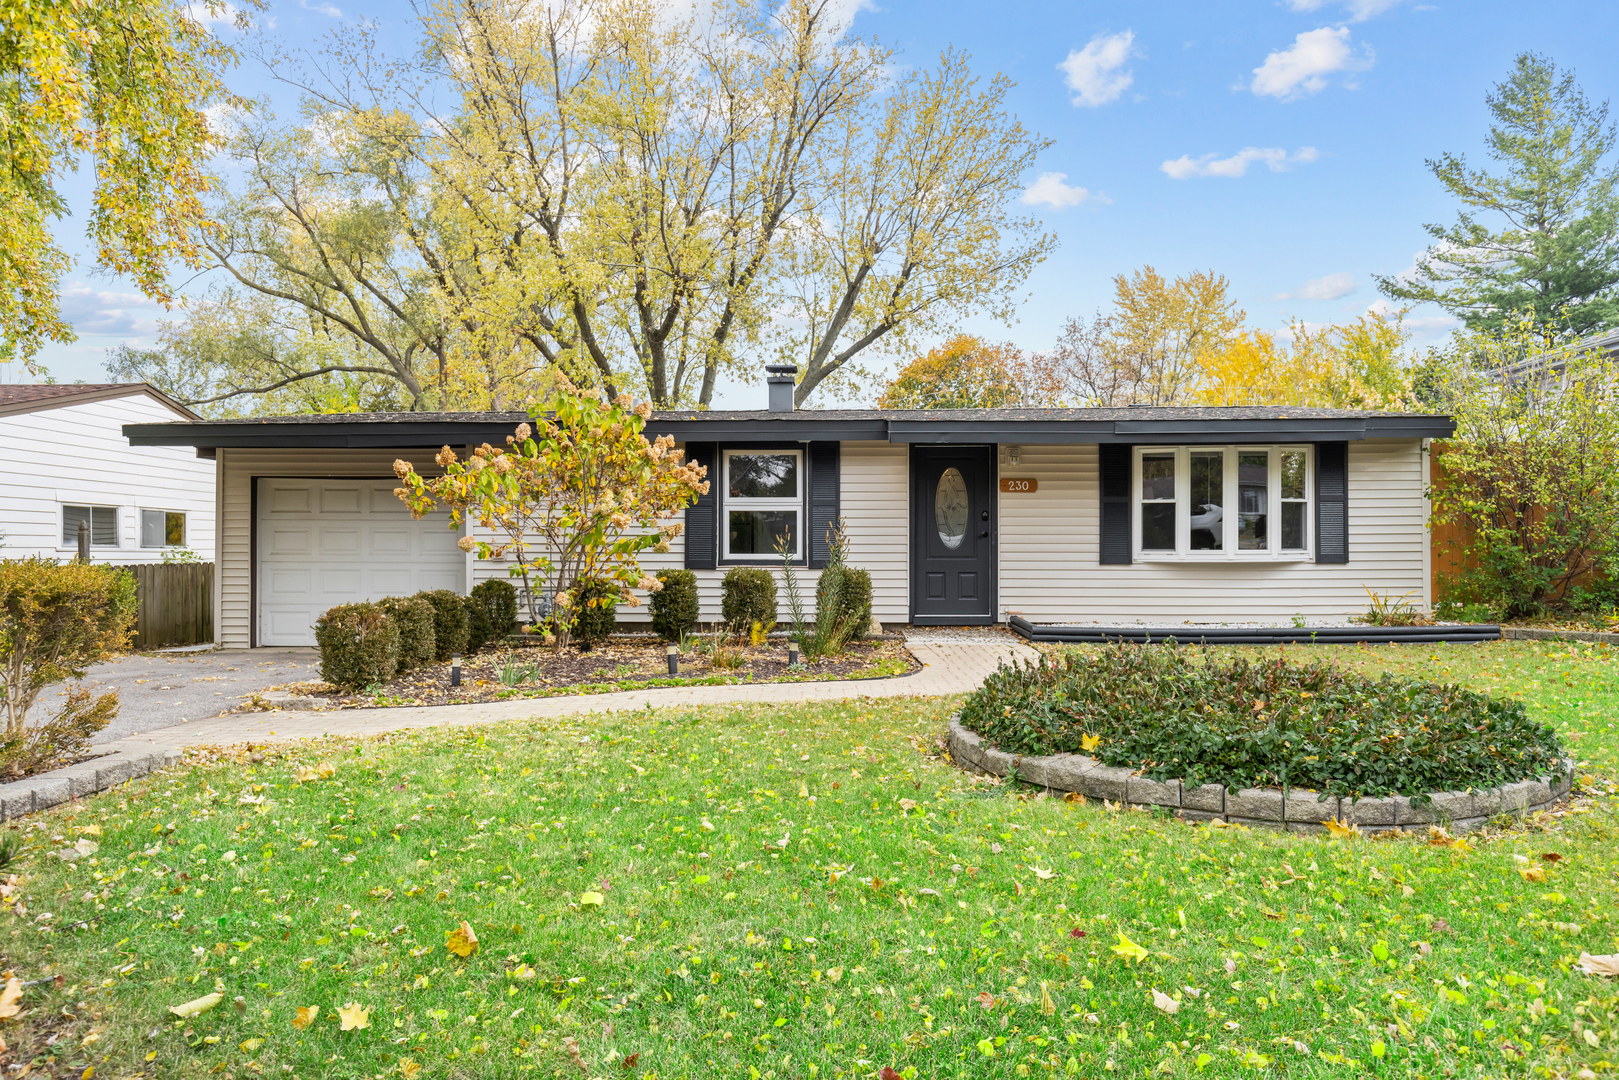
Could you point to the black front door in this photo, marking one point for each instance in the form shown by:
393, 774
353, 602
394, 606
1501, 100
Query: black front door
952, 534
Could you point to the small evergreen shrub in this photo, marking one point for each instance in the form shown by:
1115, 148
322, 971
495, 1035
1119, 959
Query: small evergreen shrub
853, 598
449, 622
498, 599
750, 596
596, 612
674, 607
1178, 712
478, 628
359, 645
416, 620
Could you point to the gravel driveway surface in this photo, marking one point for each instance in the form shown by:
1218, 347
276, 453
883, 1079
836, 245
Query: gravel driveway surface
157, 690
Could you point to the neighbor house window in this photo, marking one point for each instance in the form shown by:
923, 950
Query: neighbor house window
763, 502
163, 528
103, 522
1219, 502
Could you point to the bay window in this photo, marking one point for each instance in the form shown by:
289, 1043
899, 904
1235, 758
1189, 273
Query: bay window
763, 500
1219, 502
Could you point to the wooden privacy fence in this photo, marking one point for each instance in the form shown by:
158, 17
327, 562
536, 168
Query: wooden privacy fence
176, 604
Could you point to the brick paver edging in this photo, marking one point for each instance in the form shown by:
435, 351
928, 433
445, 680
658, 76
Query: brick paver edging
58, 786
1292, 810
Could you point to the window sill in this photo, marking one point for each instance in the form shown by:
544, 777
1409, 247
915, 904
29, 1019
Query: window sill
1224, 560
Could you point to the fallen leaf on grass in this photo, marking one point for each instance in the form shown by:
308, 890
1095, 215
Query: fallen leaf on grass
1044, 874
306, 1016
9, 998
889, 1073
325, 771
907, 805
1048, 1007
1128, 949
986, 999
461, 941
1163, 1001
1339, 828
629, 1062
1088, 743
304, 774
1076, 932
1533, 873
1074, 797
354, 1016
591, 899
571, 1047
409, 1069
251, 1045
192, 1008
1551, 856
1607, 966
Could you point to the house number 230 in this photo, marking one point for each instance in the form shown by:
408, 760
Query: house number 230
1019, 486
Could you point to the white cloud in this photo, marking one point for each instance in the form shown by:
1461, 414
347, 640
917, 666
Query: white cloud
222, 15
329, 10
1274, 157
1330, 287
1303, 68
1359, 10
1096, 74
94, 311
1050, 190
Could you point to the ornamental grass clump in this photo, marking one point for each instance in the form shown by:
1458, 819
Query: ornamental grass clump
1176, 712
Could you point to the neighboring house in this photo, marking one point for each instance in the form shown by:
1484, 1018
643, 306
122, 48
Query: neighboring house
67, 461
1155, 515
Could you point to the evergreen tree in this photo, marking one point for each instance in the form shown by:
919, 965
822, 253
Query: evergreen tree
1557, 252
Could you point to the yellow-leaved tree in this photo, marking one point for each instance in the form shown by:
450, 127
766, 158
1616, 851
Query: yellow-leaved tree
1354, 366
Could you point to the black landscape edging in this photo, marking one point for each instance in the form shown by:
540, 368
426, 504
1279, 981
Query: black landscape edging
1058, 634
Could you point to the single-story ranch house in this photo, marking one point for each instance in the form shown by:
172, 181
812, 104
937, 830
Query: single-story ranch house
1140, 515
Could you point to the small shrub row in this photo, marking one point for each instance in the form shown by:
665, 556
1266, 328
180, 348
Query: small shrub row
1179, 712
365, 644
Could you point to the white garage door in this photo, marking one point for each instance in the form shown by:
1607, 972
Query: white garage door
328, 542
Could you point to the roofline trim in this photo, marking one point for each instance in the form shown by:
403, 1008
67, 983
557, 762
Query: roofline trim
106, 393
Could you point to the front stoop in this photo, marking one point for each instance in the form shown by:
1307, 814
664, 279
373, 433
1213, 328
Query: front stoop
58, 786
1294, 810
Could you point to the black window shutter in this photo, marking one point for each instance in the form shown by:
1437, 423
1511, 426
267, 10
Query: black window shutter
1332, 502
701, 528
823, 502
1115, 485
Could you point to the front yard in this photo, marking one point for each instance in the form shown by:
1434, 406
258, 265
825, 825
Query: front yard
807, 892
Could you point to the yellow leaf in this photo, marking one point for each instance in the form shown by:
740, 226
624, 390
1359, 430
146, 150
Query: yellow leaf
1128, 949
91, 829
461, 941
803, 790
306, 1016
409, 1069
1163, 1001
1591, 965
324, 770
354, 1016
1338, 828
907, 805
200, 1005
304, 774
9, 997
1536, 874
1047, 1006
834, 974
591, 899
251, 1045
1043, 874
1088, 743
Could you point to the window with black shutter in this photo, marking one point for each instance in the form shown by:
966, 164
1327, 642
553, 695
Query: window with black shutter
823, 510
1115, 487
701, 533
1332, 502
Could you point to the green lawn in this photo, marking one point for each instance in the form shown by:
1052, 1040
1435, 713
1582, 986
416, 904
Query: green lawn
772, 905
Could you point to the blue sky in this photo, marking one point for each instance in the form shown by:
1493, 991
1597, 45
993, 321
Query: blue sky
1279, 142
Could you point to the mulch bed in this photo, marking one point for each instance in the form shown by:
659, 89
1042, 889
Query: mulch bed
546, 671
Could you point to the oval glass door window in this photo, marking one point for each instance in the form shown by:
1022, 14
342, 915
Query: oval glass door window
950, 509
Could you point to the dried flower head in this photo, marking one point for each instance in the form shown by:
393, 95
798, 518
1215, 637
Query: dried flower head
402, 469
467, 543
523, 432
643, 410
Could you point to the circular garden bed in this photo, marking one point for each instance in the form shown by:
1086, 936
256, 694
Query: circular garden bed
1260, 741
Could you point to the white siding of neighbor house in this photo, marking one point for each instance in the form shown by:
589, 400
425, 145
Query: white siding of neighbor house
1049, 549
77, 455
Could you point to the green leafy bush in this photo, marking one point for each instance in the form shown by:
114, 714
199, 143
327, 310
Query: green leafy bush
853, 606
1179, 712
750, 596
498, 602
449, 622
359, 645
596, 611
416, 620
674, 607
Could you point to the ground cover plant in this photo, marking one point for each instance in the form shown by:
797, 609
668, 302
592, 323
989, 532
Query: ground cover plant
808, 891
1256, 720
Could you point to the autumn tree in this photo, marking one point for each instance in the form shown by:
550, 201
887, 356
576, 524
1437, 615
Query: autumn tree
122, 87
1542, 235
1354, 366
967, 373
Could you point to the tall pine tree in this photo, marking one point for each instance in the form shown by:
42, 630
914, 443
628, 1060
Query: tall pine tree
1555, 206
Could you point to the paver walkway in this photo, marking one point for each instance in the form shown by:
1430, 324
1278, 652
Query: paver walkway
949, 667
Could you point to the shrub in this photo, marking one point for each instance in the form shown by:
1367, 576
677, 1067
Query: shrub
674, 607
359, 645
1179, 712
478, 629
853, 609
449, 622
750, 596
56, 619
498, 599
596, 611
418, 631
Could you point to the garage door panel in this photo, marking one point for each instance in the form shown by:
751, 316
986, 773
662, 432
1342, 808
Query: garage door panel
328, 542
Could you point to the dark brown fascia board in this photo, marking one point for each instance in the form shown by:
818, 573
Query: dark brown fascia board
62, 401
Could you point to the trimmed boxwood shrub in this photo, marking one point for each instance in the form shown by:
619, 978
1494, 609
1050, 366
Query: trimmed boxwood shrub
498, 601
449, 622
674, 607
596, 612
478, 629
1181, 712
854, 600
359, 645
750, 597
416, 620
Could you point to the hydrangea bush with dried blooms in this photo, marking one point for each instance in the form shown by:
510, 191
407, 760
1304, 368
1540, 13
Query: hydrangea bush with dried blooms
579, 496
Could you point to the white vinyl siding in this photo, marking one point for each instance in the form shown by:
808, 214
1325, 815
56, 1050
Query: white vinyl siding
76, 455
1049, 548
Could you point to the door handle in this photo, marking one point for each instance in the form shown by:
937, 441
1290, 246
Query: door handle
983, 534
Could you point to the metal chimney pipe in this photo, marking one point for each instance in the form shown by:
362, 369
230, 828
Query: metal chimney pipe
782, 378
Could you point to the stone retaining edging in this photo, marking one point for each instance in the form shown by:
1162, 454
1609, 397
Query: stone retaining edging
1527, 633
1291, 810
48, 789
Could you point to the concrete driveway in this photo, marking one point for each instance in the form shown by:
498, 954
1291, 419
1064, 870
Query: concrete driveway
158, 690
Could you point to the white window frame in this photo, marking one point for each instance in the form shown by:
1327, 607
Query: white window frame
117, 526
1273, 550
140, 523
728, 503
